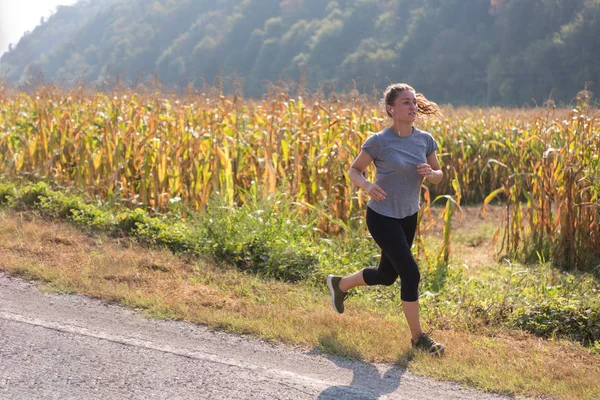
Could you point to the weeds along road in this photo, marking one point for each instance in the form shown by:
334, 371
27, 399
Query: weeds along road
57, 346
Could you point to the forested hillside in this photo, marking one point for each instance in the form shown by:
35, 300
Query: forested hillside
478, 52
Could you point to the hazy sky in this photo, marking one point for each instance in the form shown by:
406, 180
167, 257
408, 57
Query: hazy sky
19, 16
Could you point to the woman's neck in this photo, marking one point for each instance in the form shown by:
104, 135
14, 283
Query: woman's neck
402, 129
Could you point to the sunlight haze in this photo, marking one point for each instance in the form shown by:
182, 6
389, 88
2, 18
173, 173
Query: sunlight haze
17, 17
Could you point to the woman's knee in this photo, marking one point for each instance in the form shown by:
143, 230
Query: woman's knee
417, 276
387, 280
409, 293
374, 276
409, 287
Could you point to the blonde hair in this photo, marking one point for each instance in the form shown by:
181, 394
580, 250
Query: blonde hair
392, 92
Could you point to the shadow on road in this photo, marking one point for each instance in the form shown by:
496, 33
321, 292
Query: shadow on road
367, 382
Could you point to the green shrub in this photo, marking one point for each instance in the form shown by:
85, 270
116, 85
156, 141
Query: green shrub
266, 236
576, 319
7, 193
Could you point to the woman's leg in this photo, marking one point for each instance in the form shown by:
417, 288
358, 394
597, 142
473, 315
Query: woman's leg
384, 274
395, 238
352, 281
411, 312
411, 308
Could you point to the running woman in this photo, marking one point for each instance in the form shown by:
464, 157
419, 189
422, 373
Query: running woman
403, 156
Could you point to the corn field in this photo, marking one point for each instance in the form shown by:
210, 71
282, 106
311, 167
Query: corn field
146, 149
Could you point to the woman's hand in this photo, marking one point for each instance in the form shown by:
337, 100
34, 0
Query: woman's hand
425, 170
375, 192
434, 176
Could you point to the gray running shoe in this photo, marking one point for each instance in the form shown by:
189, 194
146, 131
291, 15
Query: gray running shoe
427, 344
337, 296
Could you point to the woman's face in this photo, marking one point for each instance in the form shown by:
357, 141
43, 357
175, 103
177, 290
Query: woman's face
405, 107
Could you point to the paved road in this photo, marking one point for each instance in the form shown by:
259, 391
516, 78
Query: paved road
71, 347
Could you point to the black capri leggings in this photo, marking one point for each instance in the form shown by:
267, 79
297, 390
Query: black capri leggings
394, 236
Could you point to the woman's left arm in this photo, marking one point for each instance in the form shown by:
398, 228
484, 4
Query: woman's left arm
431, 170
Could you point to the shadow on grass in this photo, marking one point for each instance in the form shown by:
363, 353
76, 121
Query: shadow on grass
368, 382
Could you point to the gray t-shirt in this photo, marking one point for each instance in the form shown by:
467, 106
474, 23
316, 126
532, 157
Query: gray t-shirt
396, 159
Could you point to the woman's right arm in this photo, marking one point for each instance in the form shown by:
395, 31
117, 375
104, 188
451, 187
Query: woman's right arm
356, 176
